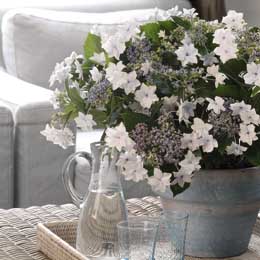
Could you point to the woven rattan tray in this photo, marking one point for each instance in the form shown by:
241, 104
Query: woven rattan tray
57, 241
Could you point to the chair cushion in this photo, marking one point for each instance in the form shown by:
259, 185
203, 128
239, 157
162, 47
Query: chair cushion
34, 40
87, 6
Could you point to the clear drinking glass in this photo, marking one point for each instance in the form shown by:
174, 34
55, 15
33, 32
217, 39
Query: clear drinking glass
136, 238
170, 237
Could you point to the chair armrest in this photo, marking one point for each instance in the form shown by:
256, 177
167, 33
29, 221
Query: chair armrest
30, 103
17, 92
38, 163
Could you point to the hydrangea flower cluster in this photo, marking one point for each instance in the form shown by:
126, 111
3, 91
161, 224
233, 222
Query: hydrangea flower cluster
175, 95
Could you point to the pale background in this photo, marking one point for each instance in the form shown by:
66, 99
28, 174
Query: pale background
251, 9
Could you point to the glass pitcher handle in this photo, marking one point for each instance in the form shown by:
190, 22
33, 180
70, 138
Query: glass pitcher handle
66, 176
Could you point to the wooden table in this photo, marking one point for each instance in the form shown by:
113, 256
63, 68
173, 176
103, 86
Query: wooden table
18, 228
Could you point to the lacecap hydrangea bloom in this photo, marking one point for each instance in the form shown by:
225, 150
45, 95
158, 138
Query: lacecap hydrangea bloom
175, 95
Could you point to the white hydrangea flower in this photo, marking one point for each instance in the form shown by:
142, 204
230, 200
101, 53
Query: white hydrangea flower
227, 48
115, 75
72, 58
252, 77
216, 105
161, 34
173, 12
79, 69
224, 37
85, 122
234, 20
114, 69
200, 127
99, 58
129, 30
146, 95
55, 99
96, 74
131, 82
250, 117
159, 15
247, 134
189, 13
235, 149
190, 141
182, 176
118, 137
191, 162
62, 137
186, 110
160, 180
49, 132
208, 143
128, 159
114, 46
132, 166
187, 54
61, 73
146, 67
239, 107
65, 138
136, 173
214, 71
226, 52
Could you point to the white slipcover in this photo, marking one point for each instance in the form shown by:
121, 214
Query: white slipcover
6, 157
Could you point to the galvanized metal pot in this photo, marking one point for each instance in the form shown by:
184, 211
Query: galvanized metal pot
223, 206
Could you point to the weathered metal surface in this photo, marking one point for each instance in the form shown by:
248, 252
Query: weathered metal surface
223, 207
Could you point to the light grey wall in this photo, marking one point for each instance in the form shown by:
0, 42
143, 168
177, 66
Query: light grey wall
251, 9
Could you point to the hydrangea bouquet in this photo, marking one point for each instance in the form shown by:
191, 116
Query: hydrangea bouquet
174, 95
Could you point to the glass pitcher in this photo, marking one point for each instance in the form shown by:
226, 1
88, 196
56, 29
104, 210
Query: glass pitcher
103, 207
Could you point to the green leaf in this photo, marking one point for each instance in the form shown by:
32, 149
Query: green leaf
69, 108
99, 116
182, 22
76, 99
232, 69
131, 119
176, 189
222, 145
167, 26
204, 89
113, 109
151, 31
115, 104
255, 91
253, 153
234, 91
92, 45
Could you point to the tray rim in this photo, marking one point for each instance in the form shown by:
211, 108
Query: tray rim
44, 228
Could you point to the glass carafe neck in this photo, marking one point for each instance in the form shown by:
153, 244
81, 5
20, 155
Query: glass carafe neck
105, 173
